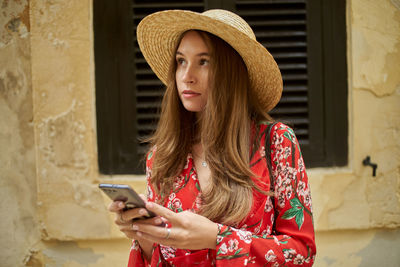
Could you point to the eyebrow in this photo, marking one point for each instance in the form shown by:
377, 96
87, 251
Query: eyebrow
199, 54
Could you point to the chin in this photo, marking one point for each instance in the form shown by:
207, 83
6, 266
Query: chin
192, 108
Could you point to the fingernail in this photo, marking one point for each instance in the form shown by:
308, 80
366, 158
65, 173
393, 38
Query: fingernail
158, 221
149, 205
135, 227
142, 212
120, 204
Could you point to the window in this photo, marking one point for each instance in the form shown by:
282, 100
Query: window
306, 38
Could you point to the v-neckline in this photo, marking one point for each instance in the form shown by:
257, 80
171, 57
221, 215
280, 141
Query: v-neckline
194, 170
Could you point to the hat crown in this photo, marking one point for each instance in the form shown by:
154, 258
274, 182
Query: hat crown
231, 19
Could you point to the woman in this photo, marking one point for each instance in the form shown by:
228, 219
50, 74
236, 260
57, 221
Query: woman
228, 185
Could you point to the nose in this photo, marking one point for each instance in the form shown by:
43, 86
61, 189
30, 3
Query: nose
189, 75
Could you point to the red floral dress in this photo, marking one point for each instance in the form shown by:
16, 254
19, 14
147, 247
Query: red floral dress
277, 232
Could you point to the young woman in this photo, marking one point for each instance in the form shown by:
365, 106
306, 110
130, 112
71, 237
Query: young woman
227, 183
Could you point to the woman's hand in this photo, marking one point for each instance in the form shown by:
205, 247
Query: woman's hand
124, 219
188, 230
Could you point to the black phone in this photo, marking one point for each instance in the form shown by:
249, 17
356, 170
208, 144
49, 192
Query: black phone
125, 193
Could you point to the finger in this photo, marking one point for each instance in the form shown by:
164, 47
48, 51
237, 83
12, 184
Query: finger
135, 213
155, 231
131, 234
116, 206
162, 211
128, 225
143, 197
157, 221
120, 220
160, 240
126, 218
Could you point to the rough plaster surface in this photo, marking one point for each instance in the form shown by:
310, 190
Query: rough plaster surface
62, 81
353, 198
87, 253
62, 254
14, 21
376, 98
369, 248
376, 46
18, 224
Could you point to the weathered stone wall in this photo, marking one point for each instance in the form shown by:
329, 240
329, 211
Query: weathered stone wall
18, 223
366, 208
53, 213
64, 121
351, 198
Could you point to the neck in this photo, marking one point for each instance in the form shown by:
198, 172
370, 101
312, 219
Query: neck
198, 122
198, 155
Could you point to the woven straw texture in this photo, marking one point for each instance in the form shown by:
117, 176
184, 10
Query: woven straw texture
159, 33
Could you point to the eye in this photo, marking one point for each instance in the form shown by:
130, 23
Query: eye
180, 60
204, 61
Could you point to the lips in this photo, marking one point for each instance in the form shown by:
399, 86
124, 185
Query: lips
190, 93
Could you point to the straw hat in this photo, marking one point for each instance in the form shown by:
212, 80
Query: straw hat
159, 33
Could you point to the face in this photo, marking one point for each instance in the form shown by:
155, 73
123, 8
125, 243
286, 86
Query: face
193, 64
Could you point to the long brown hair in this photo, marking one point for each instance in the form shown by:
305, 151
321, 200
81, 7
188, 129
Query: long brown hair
225, 135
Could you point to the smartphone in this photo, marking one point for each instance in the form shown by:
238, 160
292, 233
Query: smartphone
125, 193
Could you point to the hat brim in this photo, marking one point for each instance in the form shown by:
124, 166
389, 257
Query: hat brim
158, 34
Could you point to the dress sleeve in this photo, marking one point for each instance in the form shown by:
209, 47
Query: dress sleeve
136, 257
291, 241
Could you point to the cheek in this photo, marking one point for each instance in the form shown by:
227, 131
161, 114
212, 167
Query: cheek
205, 80
178, 78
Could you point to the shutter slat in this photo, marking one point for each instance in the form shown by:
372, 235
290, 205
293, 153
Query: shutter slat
168, 5
140, 60
145, 71
288, 110
296, 120
292, 66
294, 99
289, 55
148, 105
277, 34
155, 83
152, 93
266, 13
295, 88
290, 77
277, 22
148, 127
276, 44
147, 116
259, 2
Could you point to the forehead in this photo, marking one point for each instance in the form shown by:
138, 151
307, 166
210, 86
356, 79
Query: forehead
192, 41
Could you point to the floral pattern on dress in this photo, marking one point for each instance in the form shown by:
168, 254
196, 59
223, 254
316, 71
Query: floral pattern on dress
279, 230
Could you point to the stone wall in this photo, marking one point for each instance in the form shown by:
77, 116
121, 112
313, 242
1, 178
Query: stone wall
53, 213
358, 215
18, 223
